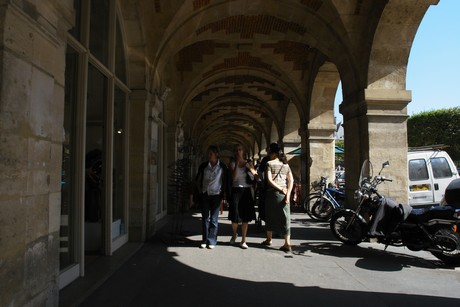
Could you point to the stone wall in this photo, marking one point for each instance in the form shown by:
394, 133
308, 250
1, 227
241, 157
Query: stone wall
32, 61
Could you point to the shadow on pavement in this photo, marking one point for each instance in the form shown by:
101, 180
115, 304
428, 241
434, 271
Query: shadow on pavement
154, 277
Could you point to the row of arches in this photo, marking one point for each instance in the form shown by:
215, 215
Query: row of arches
263, 71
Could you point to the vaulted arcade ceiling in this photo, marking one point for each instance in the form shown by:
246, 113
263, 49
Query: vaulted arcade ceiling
235, 66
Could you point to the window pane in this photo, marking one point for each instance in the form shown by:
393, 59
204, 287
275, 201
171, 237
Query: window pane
94, 159
440, 168
75, 31
119, 137
418, 170
99, 30
67, 229
120, 68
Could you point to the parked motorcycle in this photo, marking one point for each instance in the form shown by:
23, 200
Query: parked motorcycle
433, 229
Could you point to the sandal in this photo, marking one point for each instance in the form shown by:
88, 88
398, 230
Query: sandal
286, 248
266, 242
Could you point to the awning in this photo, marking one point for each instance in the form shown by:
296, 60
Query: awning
298, 151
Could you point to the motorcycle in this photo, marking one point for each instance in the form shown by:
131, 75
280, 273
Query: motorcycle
376, 216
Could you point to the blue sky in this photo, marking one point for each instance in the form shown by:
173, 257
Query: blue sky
434, 63
433, 71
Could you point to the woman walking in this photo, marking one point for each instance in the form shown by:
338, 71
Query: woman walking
242, 206
277, 209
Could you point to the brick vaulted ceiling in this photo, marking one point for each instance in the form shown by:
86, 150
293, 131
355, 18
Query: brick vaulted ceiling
233, 66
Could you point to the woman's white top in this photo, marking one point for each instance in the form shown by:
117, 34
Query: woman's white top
240, 179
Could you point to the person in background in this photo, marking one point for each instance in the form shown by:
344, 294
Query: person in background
242, 205
214, 184
262, 186
277, 208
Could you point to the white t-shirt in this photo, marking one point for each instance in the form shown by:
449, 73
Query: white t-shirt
212, 179
240, 179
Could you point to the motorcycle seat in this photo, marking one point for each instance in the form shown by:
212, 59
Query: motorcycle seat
418, 215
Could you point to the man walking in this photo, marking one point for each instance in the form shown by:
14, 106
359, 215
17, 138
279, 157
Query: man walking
214, 187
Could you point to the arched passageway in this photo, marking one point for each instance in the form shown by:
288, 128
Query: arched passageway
144, 84
263, 71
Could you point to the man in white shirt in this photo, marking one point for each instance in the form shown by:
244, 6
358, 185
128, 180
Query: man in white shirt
214, 185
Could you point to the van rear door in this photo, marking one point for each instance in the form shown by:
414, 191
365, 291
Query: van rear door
421, 191
442, 175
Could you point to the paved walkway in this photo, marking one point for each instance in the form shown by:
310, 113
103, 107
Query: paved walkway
170, 270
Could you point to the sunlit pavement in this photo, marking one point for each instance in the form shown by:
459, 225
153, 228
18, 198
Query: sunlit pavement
170, 270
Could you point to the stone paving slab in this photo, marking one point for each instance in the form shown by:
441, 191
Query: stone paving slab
170, 270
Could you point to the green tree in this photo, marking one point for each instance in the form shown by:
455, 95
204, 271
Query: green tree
436, 127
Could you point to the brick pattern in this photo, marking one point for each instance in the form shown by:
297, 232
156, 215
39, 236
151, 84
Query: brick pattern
295, 52
242, 59
207, 93
276, 95
194, 53
241, 79
198, 4
157, 6
312, 4
358, 7
248, 26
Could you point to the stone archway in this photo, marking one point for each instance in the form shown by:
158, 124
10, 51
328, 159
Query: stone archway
375, 117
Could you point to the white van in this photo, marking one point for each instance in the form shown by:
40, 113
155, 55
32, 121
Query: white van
430, 171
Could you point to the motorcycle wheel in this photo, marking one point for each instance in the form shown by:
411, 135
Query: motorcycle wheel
348, 232
449, 243
322, 209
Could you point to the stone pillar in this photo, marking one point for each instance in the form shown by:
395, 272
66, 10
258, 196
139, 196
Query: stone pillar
138, 163
305, 158
32, 56
322, 151
376, 129
155, 168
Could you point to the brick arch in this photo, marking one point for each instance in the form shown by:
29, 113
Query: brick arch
239, 22
257, 73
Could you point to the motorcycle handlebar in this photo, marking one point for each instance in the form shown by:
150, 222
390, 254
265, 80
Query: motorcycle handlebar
381, 178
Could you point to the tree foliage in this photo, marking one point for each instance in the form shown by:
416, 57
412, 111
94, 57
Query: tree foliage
436, 127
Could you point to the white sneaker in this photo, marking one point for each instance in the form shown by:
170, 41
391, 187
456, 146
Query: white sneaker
243, 245
203, 245
233, 240
211, 246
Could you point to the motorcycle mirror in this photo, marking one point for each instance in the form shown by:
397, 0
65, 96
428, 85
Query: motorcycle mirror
384, 165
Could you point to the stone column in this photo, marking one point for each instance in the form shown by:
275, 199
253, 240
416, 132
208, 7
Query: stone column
304, 160
32, 55
376, 129
322, 151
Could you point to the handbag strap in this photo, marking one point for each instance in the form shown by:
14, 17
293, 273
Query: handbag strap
278, 172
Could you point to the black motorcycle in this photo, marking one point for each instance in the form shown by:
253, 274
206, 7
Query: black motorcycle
432, 229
